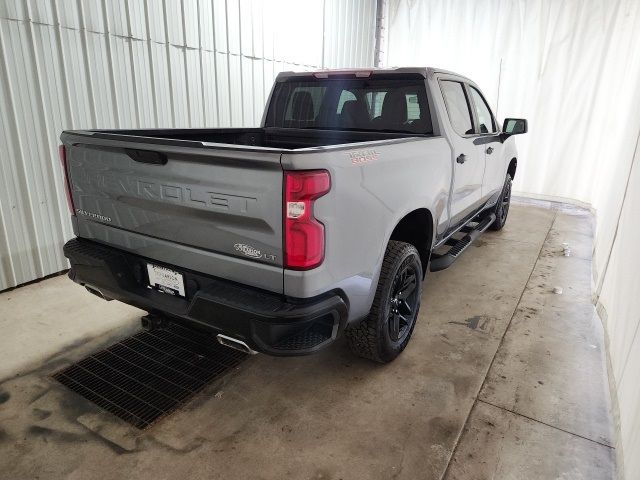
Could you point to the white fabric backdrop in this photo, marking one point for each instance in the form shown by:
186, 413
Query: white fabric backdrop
572, 68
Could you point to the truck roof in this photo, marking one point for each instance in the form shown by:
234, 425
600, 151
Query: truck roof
366, 72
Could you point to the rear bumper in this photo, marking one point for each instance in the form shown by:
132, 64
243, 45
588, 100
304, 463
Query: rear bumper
267, 322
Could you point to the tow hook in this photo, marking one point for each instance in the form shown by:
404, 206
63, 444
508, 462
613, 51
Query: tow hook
152, 322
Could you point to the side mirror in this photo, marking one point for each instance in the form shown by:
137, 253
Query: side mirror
514, 126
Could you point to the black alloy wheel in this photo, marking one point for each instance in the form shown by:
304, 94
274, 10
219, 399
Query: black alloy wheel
501, 209
506, 201
403, 303
385, 332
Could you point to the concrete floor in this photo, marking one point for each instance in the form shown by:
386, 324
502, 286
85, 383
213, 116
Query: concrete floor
503, 379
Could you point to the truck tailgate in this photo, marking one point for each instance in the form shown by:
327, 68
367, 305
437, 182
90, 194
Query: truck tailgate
211, 209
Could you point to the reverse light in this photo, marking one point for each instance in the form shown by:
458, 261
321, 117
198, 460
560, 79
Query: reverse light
67, 184
303, 234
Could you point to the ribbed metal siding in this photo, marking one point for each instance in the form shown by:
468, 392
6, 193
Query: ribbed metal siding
350, 27
68, 64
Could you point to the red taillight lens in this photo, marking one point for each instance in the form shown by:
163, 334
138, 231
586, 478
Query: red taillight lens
303, 234
67, 185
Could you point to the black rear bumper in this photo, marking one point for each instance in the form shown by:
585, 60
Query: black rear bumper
267, 322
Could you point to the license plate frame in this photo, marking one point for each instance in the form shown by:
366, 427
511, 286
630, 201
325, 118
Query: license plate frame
165, 280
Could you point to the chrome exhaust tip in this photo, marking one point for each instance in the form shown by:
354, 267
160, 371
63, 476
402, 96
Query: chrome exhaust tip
235, 344
97, 293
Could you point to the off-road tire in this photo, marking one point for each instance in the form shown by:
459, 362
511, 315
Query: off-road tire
502, 207
371, 337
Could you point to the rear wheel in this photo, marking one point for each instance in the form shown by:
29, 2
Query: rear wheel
502, 207
385, 332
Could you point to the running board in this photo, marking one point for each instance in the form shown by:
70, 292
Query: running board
442, 261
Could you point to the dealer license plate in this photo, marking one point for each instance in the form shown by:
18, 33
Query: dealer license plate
165, 280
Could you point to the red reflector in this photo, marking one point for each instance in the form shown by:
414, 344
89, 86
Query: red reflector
303, 234
67, 185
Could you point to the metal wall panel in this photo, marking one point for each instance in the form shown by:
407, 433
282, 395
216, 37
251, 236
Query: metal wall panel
70, 64
349, 28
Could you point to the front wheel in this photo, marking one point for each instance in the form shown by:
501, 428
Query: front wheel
502, 207
385, 332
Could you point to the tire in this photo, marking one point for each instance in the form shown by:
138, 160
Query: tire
502, 207
385, 332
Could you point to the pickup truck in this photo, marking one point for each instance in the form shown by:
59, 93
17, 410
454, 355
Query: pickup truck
322, 222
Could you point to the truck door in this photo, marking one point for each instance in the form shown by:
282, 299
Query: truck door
492, 148
469, 157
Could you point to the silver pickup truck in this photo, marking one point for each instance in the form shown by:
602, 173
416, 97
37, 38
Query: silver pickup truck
323, 221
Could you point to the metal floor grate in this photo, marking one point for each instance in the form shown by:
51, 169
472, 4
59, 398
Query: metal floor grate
150, 374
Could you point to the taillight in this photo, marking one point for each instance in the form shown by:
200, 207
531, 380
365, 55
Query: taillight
303, 234
67, 185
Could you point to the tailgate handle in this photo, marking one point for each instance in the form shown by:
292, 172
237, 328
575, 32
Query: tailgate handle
146, 156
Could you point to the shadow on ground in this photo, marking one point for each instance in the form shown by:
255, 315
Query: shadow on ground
334, 416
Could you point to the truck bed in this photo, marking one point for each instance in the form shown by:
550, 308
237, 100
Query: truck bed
208, 200
286, 139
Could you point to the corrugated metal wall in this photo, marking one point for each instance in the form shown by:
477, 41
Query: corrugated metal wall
68, 64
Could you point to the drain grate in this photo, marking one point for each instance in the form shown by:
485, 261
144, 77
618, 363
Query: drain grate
150, 374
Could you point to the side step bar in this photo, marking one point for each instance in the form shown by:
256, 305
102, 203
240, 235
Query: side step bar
442, 261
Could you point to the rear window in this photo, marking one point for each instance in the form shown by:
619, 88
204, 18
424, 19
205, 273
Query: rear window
371, 104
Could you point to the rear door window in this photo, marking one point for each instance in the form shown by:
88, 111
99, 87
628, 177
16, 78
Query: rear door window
413, 106
457, 104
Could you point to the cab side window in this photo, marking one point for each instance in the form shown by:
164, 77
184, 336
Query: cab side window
483, 112
413, 107
457, 104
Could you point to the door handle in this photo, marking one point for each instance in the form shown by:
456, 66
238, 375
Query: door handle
461, 158
490, 150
